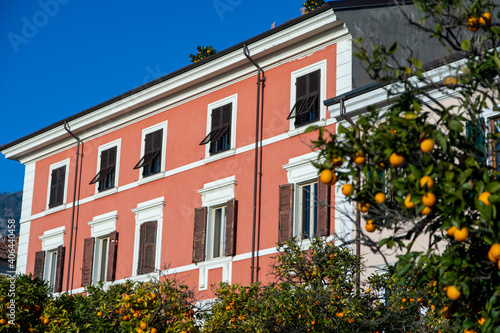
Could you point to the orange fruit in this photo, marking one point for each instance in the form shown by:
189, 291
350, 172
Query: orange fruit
426, 211
453, 293
481, 321
360, 158
351, 320
99, 314
491, 257
495, 251
363, 207
426, 180
484, 198
46, 321
153, 296
370, 227
461, 235
380, 197
144, 325
408, 203
396, 159
427, 145
326, 176
473, 24
368, 290
393, 131
451, 231
340, 314
451, 81
486, 18
347, 189
3, 321
429, 199
337, 161
334, 180
125, 318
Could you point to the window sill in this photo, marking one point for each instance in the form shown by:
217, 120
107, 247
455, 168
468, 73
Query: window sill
224, 262
152, 178
216, 157
105, 193
301, 129
54, 210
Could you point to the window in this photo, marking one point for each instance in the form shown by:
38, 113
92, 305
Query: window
147, 248
57, 184
308, 210
49, 265
220, 133
307, 99
151, 161
106, 175
304, 202
475, 131
100, 250
148, 235
215, 232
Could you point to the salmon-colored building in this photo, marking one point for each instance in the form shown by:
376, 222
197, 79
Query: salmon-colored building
162, 179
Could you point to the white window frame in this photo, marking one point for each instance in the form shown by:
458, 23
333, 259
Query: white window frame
151, 210
233, 99
114, 189
97, 260
298, 216
64, 163
321, 65
146, 131
213, 195
50, 268
101, 227
51, 240
210, 244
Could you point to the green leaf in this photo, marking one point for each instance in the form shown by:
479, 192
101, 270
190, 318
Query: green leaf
404, 270
456, 126
493, 187
465, 45
429, 170
311, 129
496, 60
449, 175
441, 140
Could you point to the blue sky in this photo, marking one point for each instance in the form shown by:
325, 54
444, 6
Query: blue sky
59, 57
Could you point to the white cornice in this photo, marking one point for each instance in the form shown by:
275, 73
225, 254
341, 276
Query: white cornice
293, 41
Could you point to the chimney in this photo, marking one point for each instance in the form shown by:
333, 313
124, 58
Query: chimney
302, 10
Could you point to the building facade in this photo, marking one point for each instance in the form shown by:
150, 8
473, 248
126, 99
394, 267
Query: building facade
163, 179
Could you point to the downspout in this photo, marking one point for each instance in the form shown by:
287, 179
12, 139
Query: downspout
260, 79
68, 129
358, 214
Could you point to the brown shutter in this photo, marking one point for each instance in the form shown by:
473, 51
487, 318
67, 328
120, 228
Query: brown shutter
147, 246
157, 139
323, 227
148, 145
57, 187
88, 257
60, 185
39, 264
286, 212
113, 250
200, 228
59, 269
231, 222
53, 188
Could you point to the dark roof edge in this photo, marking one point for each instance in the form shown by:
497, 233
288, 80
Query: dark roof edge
324, 8
357, 4
375, 85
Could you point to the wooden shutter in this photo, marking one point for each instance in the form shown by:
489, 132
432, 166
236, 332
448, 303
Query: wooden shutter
39, 264
147, 247
286, 212
59, 269
88, 258
57, 181
157, 139
148, 144
216, 118
200, 228
113, 250
231, 223
323, 203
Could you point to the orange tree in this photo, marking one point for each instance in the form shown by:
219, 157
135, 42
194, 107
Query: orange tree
315, 291
203, 52
23, 297
429, 161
